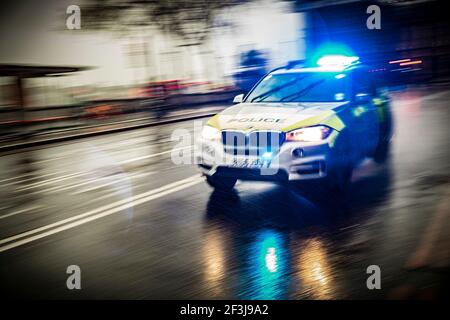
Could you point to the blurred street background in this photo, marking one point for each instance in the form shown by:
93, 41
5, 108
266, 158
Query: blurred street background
86, 177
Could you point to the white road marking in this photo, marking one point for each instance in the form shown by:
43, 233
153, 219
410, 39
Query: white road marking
97, 213
52, 180
20, 211
154, 155
16, 177
113, 182
49, 160
115, 177
104, 148
106, 196
26, 175
33, 177
77, 174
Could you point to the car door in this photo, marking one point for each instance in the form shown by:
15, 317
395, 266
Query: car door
364, 113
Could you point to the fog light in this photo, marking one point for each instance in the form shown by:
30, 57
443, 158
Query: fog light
297, 152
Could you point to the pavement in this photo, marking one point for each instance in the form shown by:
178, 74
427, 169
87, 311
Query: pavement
40, 133
140, 226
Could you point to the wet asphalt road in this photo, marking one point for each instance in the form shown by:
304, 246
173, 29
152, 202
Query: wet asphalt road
141, 227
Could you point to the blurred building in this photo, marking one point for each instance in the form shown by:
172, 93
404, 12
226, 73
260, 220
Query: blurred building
414, 31
124, 61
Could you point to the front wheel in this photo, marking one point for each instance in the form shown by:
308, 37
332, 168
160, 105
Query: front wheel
338, 183
221, 183
382, 152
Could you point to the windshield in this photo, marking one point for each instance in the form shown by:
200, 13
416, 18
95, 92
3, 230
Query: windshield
300, 87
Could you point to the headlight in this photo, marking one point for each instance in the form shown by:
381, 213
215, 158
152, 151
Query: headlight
210, 133
309, 134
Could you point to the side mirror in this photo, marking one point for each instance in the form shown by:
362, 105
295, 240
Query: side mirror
362, 98
238, 98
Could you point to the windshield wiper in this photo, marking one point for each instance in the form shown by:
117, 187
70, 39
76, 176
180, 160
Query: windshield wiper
302, 92
269, 92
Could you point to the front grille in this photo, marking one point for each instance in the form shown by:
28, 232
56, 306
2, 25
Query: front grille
255, 142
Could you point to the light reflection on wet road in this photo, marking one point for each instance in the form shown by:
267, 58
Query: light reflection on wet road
140, 226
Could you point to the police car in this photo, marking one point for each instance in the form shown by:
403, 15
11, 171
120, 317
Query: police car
299, 124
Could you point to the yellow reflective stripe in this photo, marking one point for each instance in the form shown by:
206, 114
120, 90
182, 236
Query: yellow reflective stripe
309, 121
377, 101
381, 105
359, 110
335, 122
332, 138
214, 122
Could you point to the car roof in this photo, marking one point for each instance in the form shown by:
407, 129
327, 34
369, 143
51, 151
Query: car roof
298, 66
305, 70
284, 70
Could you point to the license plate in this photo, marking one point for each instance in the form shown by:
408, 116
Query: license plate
250, 163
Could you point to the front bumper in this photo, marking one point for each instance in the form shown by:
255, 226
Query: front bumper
293, 161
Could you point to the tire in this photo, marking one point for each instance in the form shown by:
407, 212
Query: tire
222, 183
338, 183
339, 176
382, 152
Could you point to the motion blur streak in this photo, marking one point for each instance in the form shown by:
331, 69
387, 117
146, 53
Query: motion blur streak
261, 241
98, 213
87, 120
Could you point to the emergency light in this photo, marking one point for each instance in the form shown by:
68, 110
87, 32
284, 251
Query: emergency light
337, 61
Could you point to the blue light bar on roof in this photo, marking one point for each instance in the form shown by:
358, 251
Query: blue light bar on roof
336, 61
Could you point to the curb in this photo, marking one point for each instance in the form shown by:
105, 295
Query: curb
23, 145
